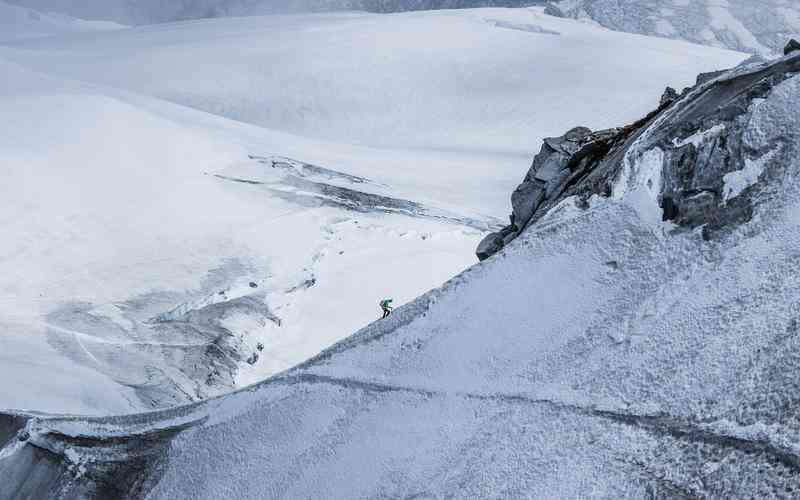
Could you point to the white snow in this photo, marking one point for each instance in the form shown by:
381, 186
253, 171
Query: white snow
699, 138
116, 146
22, 23
736, 182
640, 184
723, 19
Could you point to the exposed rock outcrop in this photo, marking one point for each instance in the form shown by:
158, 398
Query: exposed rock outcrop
707, 161
792, 46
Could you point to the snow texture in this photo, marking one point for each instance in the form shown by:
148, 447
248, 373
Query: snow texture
760, 27
153, 173
592, 358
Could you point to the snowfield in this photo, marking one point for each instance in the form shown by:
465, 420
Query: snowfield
189, 208
19, 23
602, 354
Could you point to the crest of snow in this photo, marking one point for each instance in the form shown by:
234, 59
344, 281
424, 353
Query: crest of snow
640, 183
699, 138
565, 209
736, 182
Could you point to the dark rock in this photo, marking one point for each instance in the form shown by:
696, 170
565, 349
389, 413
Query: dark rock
489, 246
494, 242
707, 77
701, 141
253, 284
553, 10
549, 171
668, 208
792, 46
669, 96
508, 238
696, 209
525, 200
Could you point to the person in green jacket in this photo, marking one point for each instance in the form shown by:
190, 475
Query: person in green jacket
387, 307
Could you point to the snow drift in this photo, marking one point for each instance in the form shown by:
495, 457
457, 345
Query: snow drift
620, 347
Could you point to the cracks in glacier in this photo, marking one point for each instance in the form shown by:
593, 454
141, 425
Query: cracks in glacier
310, 185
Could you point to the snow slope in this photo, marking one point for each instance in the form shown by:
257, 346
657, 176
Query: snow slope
756, 26
147, 183
603, 354
113, 216
20, 22
469, 87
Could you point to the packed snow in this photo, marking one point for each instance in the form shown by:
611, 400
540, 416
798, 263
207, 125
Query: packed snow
141, 179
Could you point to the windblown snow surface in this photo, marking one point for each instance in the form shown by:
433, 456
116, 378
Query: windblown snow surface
603, 354
189, 208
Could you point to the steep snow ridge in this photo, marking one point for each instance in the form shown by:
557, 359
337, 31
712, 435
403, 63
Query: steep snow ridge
761, 27
590, 358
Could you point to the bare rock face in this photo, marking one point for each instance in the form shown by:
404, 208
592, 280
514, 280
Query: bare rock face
709, 156
792, 46
669, 96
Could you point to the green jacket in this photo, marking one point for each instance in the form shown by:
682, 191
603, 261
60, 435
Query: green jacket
386, 303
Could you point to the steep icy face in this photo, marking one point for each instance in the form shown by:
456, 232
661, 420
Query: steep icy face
604, 354
756, 26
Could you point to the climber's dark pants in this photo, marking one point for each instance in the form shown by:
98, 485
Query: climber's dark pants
386, 312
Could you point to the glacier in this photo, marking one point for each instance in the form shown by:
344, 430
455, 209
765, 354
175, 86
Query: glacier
602, 353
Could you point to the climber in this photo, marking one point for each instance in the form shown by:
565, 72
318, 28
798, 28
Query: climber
386, 306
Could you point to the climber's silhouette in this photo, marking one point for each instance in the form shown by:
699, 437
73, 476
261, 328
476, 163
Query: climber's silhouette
386, 306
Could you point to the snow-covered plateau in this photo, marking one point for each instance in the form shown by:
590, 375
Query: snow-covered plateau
197, 216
